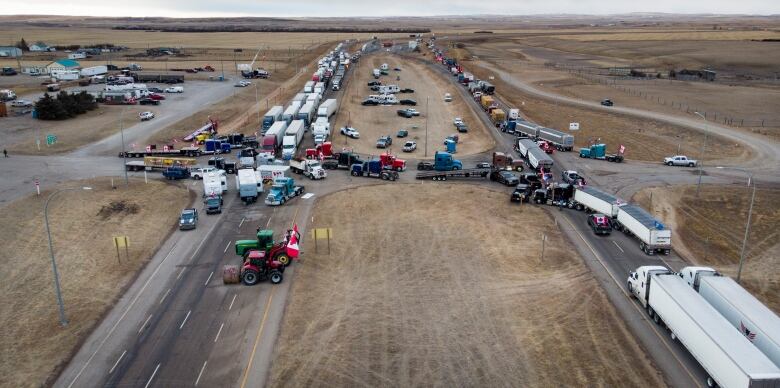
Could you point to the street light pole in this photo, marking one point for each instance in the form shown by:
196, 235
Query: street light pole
426, 126
701, 156
124, 154
750, 214
61, 305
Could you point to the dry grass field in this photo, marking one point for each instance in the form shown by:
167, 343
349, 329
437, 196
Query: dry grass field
710, 230
376, 121
445, 296
83, 224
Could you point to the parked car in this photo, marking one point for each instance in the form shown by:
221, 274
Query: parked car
402, 133
607, 102
197, 172
461, 127
397, 69
213, 204
410, 146
680, 160
375, 88
374, 83
599, 223
174, 89
483, 165
522, 193
188, 219
21, 103
148, 101
447, 97
384, 142
504, 177
457, 121
242, 84
425, 166
406, 90
156, 97
369, 101
146, 115
408, 102
405, 113
572, 177
350, 132
155, 90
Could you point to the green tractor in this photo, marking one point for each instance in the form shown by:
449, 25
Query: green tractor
265, 243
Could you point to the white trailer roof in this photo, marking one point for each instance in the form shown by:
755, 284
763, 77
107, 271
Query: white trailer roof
731, 342
642, 216
609, 198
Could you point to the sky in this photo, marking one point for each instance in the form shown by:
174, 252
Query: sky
331, 8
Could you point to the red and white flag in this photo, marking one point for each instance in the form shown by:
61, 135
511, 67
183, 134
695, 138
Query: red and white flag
295, 230
292, 246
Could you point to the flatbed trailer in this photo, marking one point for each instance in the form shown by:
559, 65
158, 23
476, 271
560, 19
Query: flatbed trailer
186, 151
462, 174
159, 163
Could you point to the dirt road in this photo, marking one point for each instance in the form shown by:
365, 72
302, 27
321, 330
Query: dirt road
376, 121
445, 295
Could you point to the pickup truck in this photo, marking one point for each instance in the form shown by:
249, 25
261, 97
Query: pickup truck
680, 160
213, 204
188, 219
176, 172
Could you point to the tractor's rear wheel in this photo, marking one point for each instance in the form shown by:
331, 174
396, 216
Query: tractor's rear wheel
283, 258
275, 277
250, 277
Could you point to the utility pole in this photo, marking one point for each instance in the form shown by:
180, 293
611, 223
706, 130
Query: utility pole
124, 153
749, 217
701, 156
426, 126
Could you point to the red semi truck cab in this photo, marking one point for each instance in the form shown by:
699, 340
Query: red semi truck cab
389, 160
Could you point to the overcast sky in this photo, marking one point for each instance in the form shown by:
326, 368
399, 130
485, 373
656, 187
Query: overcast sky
209, 8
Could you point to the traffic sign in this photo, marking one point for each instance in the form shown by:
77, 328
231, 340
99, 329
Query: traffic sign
51, 139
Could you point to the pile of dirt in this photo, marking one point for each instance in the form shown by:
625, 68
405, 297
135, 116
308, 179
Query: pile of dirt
120, 208
445, 284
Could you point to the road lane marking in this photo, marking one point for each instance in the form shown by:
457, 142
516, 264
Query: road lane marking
636, 307
185, 319
209, 279
231, 302
144, 324
152, 377
180, 272
127, 310
165, 296
117, 362
241, 223
201, 372
618, 246
257, 337
269, 221
227, 246
219, 331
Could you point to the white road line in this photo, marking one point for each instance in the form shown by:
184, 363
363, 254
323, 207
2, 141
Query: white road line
231, 302
618, 246
144, 324
152, 377
117, 362
209, 279
165, 296
269, 221
227, 246
113, 328
241, 223
219, 331
185, 319
180, 272
201, 372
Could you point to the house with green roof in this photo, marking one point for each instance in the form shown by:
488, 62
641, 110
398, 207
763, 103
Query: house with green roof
63, 64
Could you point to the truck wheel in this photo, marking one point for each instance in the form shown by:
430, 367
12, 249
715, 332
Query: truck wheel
674, 336
392, 178
384, 177
275, 277
250, 277
711, 382
670, 164
354, 173
630, 289
691, 164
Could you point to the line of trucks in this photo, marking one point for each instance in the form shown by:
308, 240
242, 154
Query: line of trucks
733, 336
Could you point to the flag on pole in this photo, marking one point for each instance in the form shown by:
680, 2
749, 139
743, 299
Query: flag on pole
295, 230
292, 246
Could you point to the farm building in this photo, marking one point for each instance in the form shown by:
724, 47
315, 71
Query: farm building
63, 64
40, 47
11, 52
696, 75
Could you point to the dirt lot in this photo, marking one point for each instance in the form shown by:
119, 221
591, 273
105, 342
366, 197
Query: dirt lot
441, 296
376, 121
83, 224
711, 228
645, 140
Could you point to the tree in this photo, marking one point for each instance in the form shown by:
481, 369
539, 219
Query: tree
69, 103
48, 108
22, 44
86, 101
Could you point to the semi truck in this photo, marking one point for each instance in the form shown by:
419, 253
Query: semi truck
599, 151
94, 70
561, 141
539, 160
526, 129
321, 127
152, 150
306, 113
310, 168
300, 97
742, 310
653, 235
292, 138
291, 113
443, 161
308, 87
328, 108
282, 190
272, 139
373, 169
598, 201
523, 145
152, 163
273, 115
247, 185
729, 359
341, 160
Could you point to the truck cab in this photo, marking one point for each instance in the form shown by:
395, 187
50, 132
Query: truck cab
213, 204
443, 161
693, 275
639, 281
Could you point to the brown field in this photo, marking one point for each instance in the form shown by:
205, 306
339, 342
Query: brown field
34, 345
440, 296
376, 121
645, 140
711, 228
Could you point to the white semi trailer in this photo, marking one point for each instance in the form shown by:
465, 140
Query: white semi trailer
744, 312
729, 359
653, 236
598, 201
523, 145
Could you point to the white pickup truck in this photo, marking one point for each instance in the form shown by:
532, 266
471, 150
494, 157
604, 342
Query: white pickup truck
680, 160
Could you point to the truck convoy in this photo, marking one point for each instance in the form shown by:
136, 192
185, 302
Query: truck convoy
742, 310
729, 358
273, 115
292, 138
247, 185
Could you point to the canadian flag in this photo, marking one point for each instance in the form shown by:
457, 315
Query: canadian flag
292, 246
295, 230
